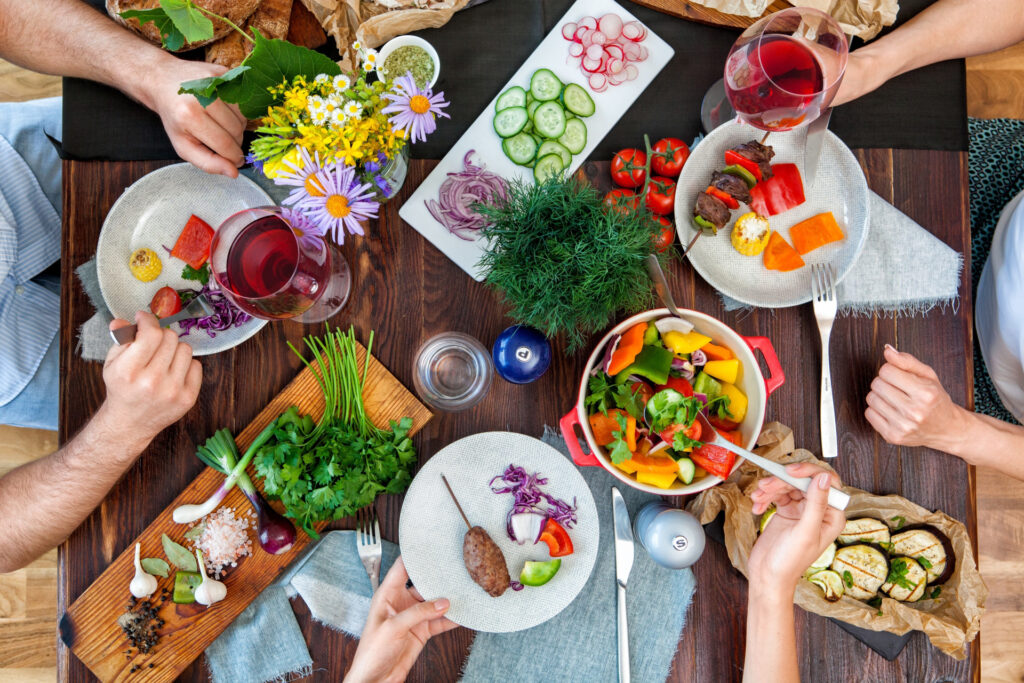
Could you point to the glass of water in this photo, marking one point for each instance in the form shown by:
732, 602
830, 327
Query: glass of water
453, 371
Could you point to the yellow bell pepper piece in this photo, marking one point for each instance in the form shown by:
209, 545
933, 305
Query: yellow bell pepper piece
737, 402
627, 466
725, 370
679, 343
662, 481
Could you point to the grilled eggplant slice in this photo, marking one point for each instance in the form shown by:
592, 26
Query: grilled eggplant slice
906, 581
863, 568
830, 583
864, 530
929, 547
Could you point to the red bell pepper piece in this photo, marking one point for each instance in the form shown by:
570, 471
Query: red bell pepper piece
722, 424
732, 157
783, 191
731, 436
726, 198
715, 459
193, 245
557, 538
680, 384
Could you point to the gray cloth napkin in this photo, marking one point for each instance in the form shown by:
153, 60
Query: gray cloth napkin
903, 269
331, 580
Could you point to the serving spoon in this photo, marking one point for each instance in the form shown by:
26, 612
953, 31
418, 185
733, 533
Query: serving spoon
661, 285
836, 498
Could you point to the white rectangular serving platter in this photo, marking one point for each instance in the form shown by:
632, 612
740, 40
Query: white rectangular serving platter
551, 54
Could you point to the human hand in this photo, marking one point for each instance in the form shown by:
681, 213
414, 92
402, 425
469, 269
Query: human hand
908, 406
802, 527
399, 625
211, 137
863, 74
151, 382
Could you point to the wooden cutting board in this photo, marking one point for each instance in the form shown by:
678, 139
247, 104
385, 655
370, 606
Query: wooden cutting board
705, 15
89, 628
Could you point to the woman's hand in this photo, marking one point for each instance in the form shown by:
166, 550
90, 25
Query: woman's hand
799, 531
399, 625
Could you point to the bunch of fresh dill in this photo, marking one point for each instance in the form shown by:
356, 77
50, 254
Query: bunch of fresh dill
565, 262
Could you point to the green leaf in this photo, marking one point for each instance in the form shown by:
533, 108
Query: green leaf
936, 593
195, 532
205, 89
925, 562
179, 556
200, 275
847, 578
192, 23
171, 38
155, 566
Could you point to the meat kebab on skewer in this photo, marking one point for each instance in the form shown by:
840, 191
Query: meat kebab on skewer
482, 556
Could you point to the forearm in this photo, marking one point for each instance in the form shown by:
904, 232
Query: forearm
70, 38
987, 442
771, 637
42, 502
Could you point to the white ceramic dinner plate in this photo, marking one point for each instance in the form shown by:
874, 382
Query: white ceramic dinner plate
550, 54
840, 187
151, 213
430, 531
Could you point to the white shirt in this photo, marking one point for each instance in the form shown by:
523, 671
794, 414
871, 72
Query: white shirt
999, 314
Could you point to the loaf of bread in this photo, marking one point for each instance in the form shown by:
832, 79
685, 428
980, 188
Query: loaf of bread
271, 19
237, 11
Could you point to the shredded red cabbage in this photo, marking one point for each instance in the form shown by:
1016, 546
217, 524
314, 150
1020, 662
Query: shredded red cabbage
225, 314
527, 496
459, 192
515, 585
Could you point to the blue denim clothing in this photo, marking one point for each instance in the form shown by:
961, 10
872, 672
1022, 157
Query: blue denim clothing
30, 228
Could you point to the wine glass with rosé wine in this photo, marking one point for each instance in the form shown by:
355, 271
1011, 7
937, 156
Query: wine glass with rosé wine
271, 268
782, 72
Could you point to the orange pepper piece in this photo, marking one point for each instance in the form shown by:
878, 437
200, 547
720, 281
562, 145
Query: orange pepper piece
716, 352
778, 255
816, 231
604, 427
629, 346
733, 437
655, 463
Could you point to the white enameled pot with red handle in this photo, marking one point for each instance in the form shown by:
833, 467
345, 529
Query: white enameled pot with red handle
750, 382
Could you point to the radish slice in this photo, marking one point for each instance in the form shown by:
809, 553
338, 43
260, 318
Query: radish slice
631, 72
587, 38
632, 31
615, 66
598, 38
617, 78
578, 35
574, 62
591, 65
610, 25
569, 31
632, 52
595, 52
598, 81
643, 53
575, 50
604, 65
588, 22
601, 89
614, 51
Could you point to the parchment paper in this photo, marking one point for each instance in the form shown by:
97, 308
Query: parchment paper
861, 18
950, 621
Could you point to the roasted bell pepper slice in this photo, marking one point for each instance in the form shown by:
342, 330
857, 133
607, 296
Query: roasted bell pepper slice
557, 538
705, 226
735, 159
742, 173
816, 231
715, 459
783, 191
653, 362
726, 198
779, 255
193, 245
630, 344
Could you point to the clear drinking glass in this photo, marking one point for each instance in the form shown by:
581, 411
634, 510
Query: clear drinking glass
269, 271
453, 371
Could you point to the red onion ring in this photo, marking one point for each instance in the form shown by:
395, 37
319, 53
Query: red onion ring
459, 192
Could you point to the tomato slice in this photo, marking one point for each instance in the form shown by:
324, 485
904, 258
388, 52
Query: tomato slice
668, 435
165, 302
715, 459
557, 538
193, 245
722, 424
680, 384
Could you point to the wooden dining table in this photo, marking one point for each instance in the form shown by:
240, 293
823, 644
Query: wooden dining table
408, 291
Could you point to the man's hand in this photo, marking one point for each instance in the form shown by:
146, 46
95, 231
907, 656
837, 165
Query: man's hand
151, 382
209, 138
908, 406
798, 533
398, 627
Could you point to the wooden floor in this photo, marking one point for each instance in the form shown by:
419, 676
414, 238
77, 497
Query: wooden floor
995, 89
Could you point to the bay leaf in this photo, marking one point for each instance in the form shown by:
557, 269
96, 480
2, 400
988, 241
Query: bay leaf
155, 566
179, 556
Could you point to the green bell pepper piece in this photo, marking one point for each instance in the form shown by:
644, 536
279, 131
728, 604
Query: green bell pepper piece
185, 584
539, 573
651, 336
707, 385
705, 226
741, 173
653, 362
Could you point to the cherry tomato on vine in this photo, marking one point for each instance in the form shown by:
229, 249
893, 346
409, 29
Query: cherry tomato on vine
665, 233
623, 201
661, 195
668, 156
628, 167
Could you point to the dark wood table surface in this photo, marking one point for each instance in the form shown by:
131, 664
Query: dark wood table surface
407, 291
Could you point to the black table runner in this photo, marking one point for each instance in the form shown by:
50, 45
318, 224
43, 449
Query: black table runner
480, 49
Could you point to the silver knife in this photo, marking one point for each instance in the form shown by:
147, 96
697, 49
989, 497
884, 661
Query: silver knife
197, 308
623, 564
812, 150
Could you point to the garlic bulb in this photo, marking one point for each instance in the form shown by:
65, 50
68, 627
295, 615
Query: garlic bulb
143, 584
210, 590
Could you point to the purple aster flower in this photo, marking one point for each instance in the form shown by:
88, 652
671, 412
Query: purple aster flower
414, 108
309, 234
344, 203
301, 176
257, 164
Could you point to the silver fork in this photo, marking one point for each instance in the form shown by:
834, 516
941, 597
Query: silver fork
368, 544
825, 307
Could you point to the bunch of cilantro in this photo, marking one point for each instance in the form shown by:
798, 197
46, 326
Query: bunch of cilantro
329, 470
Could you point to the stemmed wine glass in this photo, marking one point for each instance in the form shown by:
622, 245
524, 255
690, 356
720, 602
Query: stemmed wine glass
272, 270
782, 72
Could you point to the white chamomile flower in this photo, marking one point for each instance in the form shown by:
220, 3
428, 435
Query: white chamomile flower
318, 117
336, 99
370, 60
321, 79
341, 83
331, 104
314, 104
338, 119
357, 46
353, 109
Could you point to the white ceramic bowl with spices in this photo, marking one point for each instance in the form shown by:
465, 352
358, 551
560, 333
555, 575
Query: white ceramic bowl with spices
407, 41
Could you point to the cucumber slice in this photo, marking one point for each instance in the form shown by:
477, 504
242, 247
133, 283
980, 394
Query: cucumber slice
547, 166
530, 98
544, 85
528, 128
577, 100
549, 120
520, 148
531, 107
551, 147
686, 470
574, 138
513, 97
509, 122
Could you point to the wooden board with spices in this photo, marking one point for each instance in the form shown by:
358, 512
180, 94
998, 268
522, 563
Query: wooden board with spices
684, 9
90, 627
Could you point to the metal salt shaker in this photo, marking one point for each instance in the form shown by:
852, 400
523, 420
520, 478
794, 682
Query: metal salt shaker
672, 537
